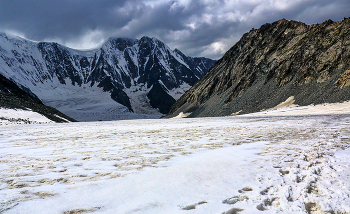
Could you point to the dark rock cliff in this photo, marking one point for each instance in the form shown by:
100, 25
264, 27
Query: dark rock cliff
13, 97
270, 64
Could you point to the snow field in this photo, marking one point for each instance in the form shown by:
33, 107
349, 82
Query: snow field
294, 164
19, 116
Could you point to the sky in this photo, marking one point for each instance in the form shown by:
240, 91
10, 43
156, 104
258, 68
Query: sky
205, 28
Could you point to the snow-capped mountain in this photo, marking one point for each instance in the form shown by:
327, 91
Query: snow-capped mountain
122, 79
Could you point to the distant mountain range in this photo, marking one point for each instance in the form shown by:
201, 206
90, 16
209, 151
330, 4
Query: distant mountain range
284, 60
125, 78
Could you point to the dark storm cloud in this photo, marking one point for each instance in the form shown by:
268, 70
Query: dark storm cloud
39, 19
198, 28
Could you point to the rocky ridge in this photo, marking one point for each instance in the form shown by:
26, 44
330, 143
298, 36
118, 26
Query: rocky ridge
13, 97
280, 60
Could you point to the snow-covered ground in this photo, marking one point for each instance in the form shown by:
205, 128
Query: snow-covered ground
255, 164
288, 108
19, 116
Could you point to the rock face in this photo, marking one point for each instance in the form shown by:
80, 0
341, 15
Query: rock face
132, 73
271, 64
13, 97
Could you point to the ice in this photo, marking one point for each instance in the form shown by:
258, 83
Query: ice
250, 164
90, 103
140, 102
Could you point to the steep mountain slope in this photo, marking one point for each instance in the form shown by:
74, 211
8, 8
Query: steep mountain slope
13, 97
108, 83
309, 64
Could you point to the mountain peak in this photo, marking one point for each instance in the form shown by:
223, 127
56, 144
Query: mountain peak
3, 35
120, 43
119, 76
150, 39
121, 39
145, 39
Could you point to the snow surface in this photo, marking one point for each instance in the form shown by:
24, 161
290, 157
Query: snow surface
255, 164
181, 115
19, 116
287, 108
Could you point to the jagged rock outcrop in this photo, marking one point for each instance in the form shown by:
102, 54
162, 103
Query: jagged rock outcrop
13, 97
270, 64
127, 70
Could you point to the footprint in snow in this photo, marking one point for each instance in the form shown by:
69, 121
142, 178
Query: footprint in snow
233, 211
193, 206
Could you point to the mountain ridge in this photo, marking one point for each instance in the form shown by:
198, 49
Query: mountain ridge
270, 64
121, 68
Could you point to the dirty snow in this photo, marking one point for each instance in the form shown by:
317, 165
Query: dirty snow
286, 104
287, 108
256, 164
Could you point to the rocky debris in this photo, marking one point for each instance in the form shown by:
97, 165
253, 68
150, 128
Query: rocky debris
270, 64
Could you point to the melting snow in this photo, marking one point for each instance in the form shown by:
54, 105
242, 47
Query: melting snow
287, 108
289, 164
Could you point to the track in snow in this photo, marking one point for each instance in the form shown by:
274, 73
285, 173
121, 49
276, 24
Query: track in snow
220, 165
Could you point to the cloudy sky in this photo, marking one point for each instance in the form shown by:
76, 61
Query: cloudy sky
196, 27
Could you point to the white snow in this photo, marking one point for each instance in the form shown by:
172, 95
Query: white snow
289, 164
287, 108
288, 103
178, 57
19, 116
181, 115
176, 93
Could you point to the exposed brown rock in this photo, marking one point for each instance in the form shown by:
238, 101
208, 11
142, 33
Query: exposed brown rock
344, 80
270, 64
